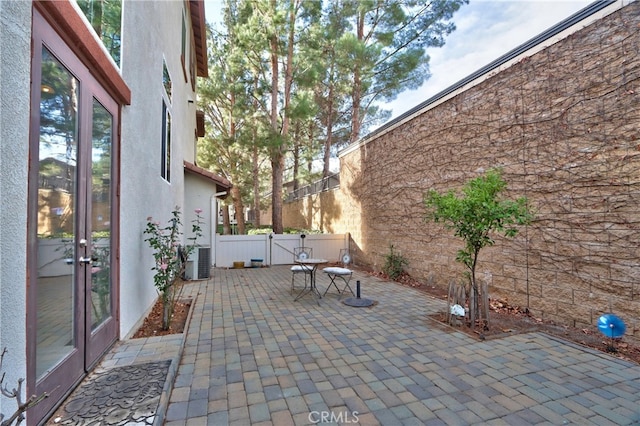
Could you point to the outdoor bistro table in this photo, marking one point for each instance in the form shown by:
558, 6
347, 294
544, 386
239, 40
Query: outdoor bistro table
312, 265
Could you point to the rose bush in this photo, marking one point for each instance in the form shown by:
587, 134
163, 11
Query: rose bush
170, 257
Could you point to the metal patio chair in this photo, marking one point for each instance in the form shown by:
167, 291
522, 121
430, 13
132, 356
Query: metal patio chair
341, 272
301, 253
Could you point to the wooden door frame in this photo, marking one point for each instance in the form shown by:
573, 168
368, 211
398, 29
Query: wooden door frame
45, 33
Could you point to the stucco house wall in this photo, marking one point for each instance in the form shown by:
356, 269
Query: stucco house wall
198, 196
15, 66
202, 189
151, 34
563, 123
144, 193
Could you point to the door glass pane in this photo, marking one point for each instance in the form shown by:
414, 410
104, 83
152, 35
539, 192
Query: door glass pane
101, 215
56, 213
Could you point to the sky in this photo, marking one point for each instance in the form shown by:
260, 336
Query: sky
485, 30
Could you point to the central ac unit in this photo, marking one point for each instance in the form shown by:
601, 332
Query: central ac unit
198, 264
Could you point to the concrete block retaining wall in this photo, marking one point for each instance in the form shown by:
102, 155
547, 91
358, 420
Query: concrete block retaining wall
564, 124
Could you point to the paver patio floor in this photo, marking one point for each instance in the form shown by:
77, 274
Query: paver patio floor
254, 356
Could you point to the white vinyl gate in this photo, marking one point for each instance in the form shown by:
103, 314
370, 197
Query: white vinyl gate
274, 249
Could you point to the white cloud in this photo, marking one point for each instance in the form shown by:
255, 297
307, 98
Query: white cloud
486, 30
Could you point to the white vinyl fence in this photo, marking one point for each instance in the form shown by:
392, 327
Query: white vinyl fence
274, 249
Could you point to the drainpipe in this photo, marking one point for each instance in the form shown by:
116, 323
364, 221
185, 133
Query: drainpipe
214, 224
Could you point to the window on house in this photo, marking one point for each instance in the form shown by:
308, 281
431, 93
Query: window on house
192, 65
183, 53
166, 80
165, 167
105, 18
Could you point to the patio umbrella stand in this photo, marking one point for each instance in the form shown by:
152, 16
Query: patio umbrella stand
357, 301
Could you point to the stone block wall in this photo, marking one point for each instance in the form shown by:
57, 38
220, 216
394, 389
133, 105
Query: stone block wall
564, 125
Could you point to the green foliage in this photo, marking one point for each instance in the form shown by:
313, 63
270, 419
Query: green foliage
105, 17
95, 235
394, 46
477, 214
170, 256
265, 230
394, 264
301, 231
295, 81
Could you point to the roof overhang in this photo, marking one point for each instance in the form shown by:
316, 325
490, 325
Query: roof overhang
222, 184
196, 8
200, 129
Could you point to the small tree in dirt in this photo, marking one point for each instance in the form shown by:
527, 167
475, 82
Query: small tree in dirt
474, 216
170, 258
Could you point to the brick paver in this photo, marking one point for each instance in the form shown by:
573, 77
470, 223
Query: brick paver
286, 362
263, 358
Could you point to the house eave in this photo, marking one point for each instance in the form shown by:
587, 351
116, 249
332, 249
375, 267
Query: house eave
196, 8
222, 184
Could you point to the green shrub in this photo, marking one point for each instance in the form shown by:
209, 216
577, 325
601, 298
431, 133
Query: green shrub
394, 264
301, 231
263, 230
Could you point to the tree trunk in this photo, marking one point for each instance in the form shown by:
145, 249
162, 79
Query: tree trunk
296, 163
473, 307
166, 310
226, 222
277, 165
329, 140
256, 163
255, 172
357, 87
239, 208
476, 291
277, 160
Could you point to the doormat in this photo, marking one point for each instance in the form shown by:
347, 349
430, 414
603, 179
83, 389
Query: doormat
118, 396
